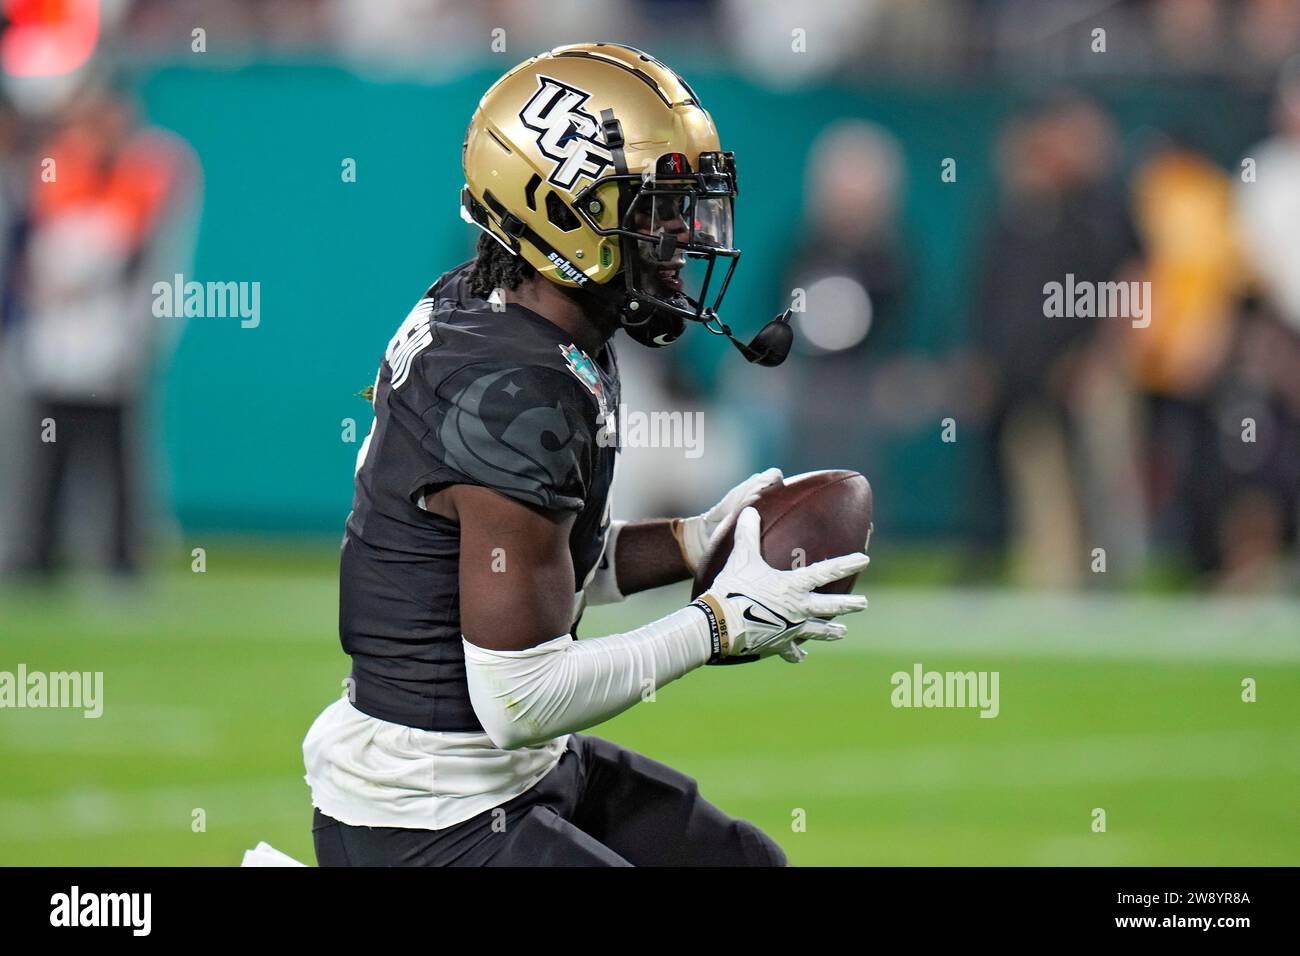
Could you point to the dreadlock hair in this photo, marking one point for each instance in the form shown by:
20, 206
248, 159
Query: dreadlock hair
495, 267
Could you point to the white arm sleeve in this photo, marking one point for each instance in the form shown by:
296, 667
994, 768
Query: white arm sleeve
535, 695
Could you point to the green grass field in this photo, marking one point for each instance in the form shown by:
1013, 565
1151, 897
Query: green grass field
1130, 704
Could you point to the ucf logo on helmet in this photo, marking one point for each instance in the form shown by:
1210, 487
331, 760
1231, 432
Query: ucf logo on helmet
566, 133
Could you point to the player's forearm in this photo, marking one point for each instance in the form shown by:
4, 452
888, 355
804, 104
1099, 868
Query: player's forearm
649, 556
532, 696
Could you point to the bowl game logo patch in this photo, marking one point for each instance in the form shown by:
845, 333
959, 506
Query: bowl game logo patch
585, 370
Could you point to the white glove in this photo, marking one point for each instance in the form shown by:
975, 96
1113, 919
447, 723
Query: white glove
756, 609
694, 535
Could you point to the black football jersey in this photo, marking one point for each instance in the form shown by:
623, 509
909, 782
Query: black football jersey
466, 394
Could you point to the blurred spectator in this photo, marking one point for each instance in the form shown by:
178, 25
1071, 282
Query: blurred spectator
1183, 205
1062, 432
1269, 202
854, 181
849, 271
1253, 488
84, 350
1269, 32
1258, 483
1189, 34
13, 219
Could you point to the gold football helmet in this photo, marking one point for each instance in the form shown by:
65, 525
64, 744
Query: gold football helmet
598, 165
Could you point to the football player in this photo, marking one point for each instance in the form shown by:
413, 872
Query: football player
480, 525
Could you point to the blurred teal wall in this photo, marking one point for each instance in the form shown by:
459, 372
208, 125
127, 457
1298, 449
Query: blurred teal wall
251, 418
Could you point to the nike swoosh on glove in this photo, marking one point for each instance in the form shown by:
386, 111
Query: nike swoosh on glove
756, 609
695, 535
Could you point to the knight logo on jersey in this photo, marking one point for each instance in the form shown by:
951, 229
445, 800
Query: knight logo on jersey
566, 133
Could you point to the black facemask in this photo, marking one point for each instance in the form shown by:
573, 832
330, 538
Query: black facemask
666, 218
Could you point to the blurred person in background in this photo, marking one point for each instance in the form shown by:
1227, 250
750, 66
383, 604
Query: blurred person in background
1188, 35
1254, 483
1183, 209
850, 273
13, 220
1268, 33
12, 203
103, 197
1259, 483
1062, 429
1269, 203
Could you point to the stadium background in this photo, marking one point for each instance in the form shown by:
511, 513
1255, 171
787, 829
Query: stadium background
1125, 697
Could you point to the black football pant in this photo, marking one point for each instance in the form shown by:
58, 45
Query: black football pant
601, 805
83, 431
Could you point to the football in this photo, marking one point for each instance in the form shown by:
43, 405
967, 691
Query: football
807, 518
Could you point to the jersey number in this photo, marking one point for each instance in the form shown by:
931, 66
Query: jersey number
412, 338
